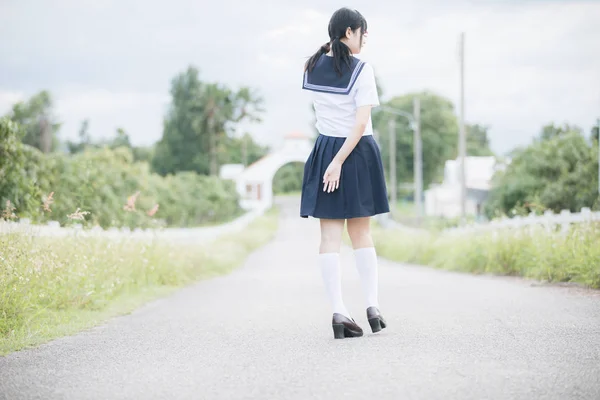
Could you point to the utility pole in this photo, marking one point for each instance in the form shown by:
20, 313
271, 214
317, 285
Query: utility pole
45, 135
418, 158
598, 123
415, 124
213, 166
462, 142
245, 150
393, 183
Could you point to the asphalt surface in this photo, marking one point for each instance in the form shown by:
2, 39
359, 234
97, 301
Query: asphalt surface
263, 332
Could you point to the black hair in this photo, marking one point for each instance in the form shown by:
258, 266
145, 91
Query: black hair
340, 21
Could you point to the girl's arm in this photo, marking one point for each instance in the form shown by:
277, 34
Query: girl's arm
331, 178
362, 118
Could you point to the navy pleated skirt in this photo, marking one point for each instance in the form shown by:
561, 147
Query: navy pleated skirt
362, 191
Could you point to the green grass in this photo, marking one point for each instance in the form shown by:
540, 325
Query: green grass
51, 288
536, 253
404, 209
405, 212
289, 194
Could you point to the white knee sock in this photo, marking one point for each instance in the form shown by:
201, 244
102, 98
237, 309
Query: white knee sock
331, 272
366, 264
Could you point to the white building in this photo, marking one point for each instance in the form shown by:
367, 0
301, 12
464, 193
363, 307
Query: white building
443, 200
255, 182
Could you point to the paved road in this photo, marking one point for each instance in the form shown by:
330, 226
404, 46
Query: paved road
263, 333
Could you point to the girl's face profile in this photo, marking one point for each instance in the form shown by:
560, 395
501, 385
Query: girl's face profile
355, 40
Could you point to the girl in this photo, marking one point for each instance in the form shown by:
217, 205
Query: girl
343, 175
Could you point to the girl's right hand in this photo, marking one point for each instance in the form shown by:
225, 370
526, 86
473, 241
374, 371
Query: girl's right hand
331, 179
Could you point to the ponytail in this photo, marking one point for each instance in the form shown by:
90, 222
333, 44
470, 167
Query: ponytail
310, 64
341, 54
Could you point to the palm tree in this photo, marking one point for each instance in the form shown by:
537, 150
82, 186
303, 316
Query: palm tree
222, 108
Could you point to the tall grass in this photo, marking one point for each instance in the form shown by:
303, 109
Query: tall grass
532, 252
405, 212
50, 287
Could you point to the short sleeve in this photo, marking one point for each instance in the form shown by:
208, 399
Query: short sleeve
366, 88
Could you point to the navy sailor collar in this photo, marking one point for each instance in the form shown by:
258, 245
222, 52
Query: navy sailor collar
323, 77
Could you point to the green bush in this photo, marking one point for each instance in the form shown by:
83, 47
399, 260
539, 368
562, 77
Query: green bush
559, 173
100, 181
22, 172
288, 178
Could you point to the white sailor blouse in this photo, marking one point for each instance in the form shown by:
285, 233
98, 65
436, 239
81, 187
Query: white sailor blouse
336, 98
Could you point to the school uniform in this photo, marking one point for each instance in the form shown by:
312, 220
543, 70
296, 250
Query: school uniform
362, 190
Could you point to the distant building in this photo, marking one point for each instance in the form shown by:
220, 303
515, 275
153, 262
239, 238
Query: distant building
255, 182
443, 200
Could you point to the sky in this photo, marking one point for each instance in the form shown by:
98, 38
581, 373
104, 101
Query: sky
527, 62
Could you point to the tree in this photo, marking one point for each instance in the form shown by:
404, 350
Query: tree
36, 118
288, 178
552, 131
121, 140
243, 150
222, 110
250, 106
12, 162
23, 169
202, 115
560, 172
217, 109
594, 132
380, 90
478, 142
180, 148
84, 139
439, 133
143, 153
84, 134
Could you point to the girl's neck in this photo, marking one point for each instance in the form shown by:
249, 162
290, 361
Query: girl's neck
330, 54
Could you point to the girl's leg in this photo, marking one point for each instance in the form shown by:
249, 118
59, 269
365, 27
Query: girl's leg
329, 262
359, 230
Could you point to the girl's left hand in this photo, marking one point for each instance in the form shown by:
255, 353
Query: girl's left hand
331, 179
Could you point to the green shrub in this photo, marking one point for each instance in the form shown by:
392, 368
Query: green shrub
100, 181
288, 178
557, 173
22, 171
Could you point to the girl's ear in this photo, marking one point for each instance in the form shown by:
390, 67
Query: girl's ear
348, 33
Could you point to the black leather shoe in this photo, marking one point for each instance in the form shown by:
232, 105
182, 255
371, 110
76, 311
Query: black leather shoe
375, 319
344, 327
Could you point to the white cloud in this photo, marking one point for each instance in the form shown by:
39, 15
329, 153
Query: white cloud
289, 30
8, 98
527, 63
140, 114
102, 101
